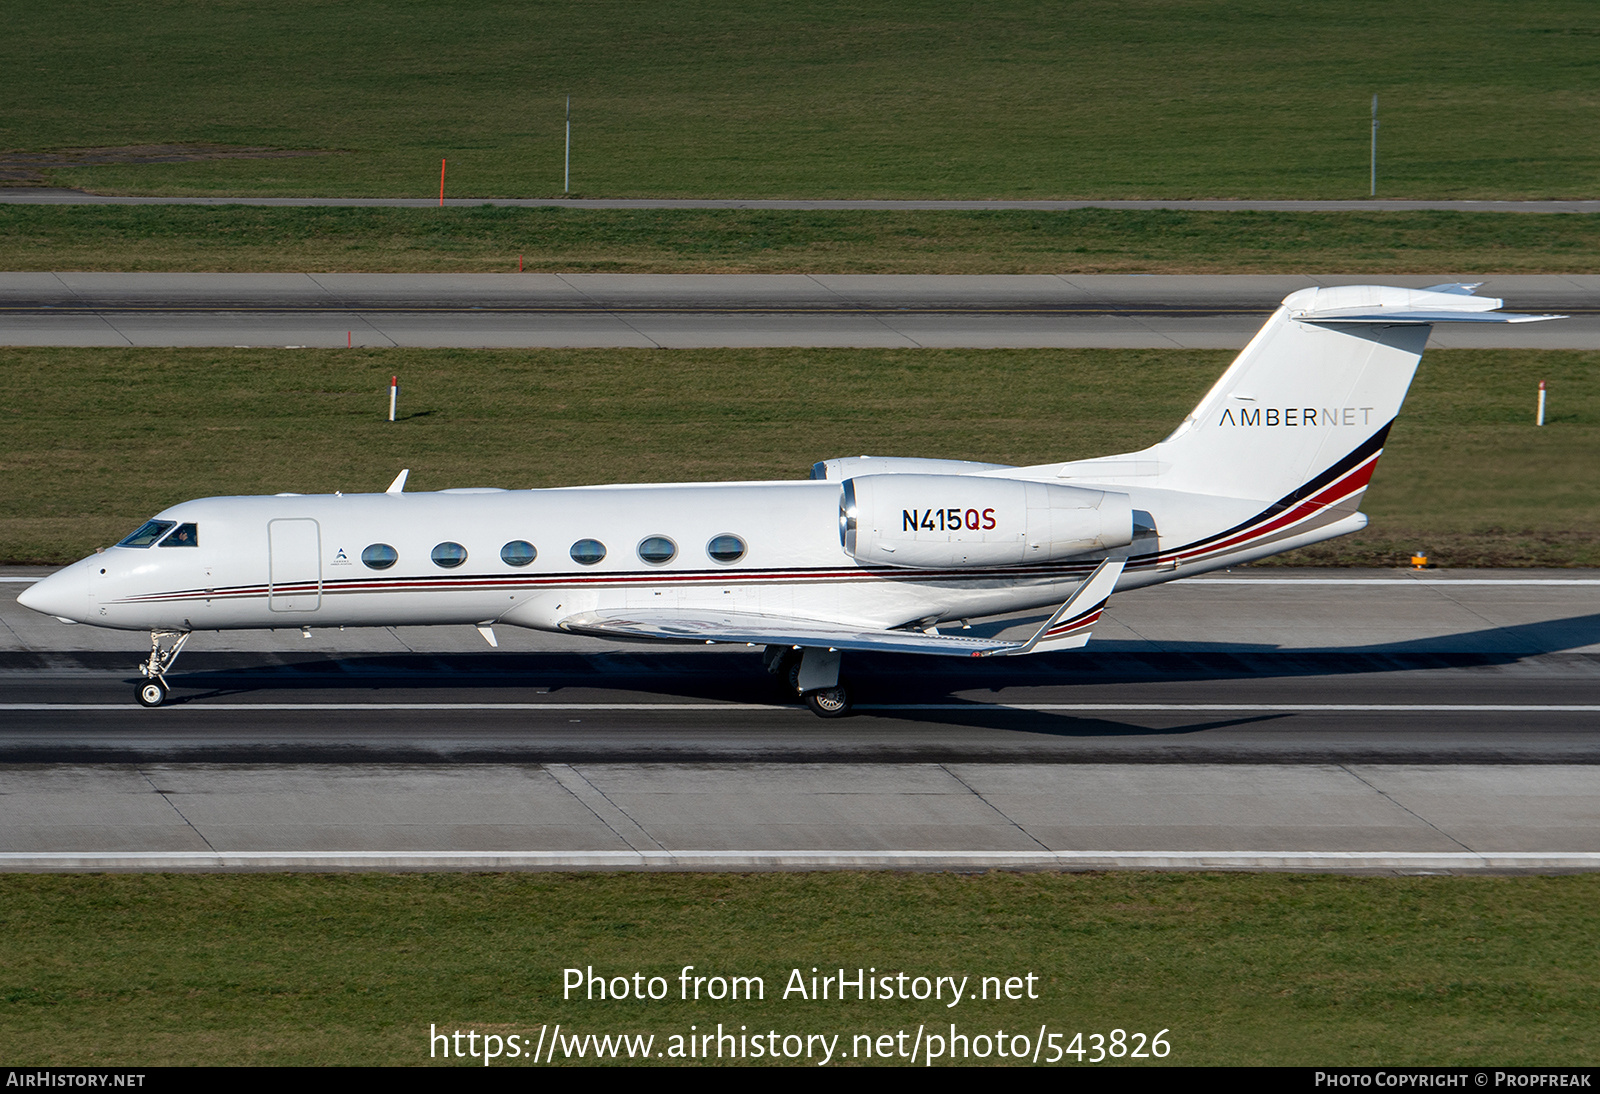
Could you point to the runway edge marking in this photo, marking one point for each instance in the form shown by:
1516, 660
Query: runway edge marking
801, 860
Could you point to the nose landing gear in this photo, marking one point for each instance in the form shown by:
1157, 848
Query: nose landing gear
162, 657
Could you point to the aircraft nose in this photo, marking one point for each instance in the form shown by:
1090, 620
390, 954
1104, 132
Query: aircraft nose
62, 595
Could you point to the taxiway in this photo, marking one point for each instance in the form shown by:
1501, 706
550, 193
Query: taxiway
698, 311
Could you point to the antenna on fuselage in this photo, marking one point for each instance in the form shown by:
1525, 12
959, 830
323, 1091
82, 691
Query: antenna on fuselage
399, 483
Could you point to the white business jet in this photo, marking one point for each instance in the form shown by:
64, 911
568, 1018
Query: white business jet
868, 554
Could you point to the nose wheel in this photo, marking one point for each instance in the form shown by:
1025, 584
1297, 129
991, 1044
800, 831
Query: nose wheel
164, 649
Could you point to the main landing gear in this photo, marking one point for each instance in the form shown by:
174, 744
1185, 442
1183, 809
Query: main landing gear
155, 690
812, 674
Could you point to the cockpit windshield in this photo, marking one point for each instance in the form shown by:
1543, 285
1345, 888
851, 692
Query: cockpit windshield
148, 533
187, 535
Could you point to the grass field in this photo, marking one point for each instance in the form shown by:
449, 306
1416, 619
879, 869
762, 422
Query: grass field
97, 440
1152, 98
490, 239
1240, 969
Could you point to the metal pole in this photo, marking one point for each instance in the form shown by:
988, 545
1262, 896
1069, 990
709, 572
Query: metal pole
566, 175
1374, 190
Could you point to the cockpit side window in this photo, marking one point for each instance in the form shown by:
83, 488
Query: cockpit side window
148, 533
187, 535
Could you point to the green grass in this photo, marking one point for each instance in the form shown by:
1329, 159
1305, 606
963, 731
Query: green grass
491, 239
1241, 969
1152, 98
97, 440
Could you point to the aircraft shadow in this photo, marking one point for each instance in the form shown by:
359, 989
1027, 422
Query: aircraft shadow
903, 684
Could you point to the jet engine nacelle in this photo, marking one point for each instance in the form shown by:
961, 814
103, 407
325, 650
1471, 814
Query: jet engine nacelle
939, 521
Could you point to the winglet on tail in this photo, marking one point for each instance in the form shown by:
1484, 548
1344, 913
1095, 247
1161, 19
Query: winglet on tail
1069, 627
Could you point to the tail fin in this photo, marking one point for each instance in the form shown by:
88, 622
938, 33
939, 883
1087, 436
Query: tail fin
1309, 400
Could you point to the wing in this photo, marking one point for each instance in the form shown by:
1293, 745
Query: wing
1067, 628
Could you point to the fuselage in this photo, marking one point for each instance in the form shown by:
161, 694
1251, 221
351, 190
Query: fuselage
513, 556
462, 557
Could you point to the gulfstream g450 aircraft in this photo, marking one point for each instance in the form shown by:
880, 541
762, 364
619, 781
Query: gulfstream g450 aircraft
869, 554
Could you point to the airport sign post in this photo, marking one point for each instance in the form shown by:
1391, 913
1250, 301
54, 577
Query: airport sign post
1373, 189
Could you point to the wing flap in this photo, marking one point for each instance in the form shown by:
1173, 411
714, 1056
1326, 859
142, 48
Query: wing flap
1067, 628
692, 626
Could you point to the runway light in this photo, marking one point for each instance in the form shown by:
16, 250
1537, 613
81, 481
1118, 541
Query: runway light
1419, 561
1539, 420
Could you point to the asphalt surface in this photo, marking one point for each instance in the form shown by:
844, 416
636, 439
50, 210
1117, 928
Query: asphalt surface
1300, 720
51, 196
1240, 669
692, 311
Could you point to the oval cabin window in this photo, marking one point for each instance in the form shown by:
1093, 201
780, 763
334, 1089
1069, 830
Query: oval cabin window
519, 552
380, 556
586, 552
449, 555
726, 548
657, 550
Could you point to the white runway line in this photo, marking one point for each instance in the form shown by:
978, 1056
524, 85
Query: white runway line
1395, 581
1403, 861
1203, 580
1313, 708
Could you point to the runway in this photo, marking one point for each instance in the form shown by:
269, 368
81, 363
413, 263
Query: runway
1258, 666
702, 311
1312, 720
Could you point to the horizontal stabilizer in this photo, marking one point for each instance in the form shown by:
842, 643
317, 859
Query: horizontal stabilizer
1428, 317
1453, 303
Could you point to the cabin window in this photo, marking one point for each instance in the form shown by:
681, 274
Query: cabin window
380, 556
657, 550
187, 535
726, 548
586, 552
519, 552
449, 555
148, 533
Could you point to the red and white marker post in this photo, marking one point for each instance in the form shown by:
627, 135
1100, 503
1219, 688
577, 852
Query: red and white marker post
394, 392
441, 184
1540, 419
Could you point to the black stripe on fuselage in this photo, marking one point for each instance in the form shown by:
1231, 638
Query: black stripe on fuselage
1359, 455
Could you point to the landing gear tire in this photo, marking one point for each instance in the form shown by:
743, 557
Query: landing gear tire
829, 702
152, 694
